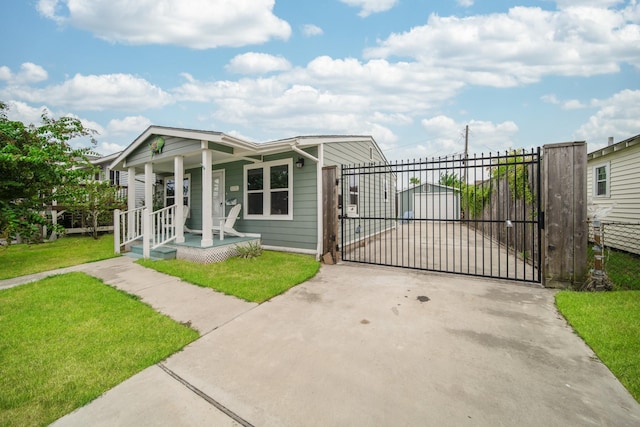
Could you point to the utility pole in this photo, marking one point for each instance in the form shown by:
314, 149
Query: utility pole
466, 153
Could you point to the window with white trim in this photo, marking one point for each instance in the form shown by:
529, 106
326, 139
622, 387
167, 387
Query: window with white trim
170, 190
114, 177
601, 180
269, 190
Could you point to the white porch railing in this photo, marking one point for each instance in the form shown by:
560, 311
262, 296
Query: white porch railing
127, 227
162, 226
155, 229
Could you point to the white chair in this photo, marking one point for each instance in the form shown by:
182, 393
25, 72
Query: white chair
226, 224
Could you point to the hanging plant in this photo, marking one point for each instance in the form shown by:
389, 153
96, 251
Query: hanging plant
157, 145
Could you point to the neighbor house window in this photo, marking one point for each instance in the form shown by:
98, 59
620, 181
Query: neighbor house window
170, 190
269, 190
354, 195
114, 177
601, 180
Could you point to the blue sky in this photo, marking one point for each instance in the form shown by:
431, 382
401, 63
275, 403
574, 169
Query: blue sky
411, 73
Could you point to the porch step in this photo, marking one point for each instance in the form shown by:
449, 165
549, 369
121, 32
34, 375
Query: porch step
163, 252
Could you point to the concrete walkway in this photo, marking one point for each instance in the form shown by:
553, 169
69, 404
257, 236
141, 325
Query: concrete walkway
364, 346
204, 309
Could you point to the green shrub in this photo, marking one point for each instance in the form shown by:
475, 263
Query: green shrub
250, 250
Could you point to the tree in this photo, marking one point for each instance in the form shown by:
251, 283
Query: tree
414, 180
95, 200
37, 166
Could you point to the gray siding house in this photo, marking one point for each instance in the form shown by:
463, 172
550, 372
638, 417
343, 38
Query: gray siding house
279, 184
613, 181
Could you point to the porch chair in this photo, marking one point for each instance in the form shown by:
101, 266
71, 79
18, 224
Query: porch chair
229, 222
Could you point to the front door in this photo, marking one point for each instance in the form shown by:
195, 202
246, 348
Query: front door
218, 197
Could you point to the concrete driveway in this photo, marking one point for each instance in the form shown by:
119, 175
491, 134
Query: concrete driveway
379, 347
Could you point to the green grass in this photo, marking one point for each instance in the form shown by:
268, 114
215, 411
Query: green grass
255, 279
609, 322
623, 269
67, 339
20, 260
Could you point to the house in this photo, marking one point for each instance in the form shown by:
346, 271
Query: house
429, 201
74, 221
613, 182
279, 185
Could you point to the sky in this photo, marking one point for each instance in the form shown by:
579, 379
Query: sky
411, 73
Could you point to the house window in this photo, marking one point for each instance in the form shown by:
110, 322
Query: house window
269, 190
170, 191
114, 177
601, 180
354, 195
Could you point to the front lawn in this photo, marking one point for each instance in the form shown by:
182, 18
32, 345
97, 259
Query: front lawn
254, 279
67, 339
23, 259
609, 322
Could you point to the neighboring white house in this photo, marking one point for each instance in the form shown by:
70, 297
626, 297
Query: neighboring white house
119, 178
613, 181
429, 201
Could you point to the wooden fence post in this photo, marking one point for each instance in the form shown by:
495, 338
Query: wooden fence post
564, 188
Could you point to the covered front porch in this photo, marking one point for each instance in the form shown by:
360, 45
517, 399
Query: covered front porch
189, 180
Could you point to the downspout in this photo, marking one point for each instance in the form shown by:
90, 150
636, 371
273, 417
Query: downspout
319, 202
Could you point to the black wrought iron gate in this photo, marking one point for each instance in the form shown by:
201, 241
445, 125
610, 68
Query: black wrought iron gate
478, 215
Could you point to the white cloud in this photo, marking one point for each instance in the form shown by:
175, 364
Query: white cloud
367, 7
198, 24
5, 73
573, 104
618, 116
95, 92
446, 136
32, 73
521, 46
336, 95
89, 125
21, 112
310, 30
127, 125
29, 73
550, 99
106, 148
257, 63
465, 3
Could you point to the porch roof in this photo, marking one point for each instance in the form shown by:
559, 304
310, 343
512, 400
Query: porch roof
241, 149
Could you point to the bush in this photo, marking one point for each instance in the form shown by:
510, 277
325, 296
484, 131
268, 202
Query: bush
251, 250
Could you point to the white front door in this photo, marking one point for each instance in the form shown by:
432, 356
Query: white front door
217, 191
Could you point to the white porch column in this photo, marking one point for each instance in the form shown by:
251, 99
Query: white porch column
129, 227
148, 185
178, 171
147, 233
207, 197
131, 188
